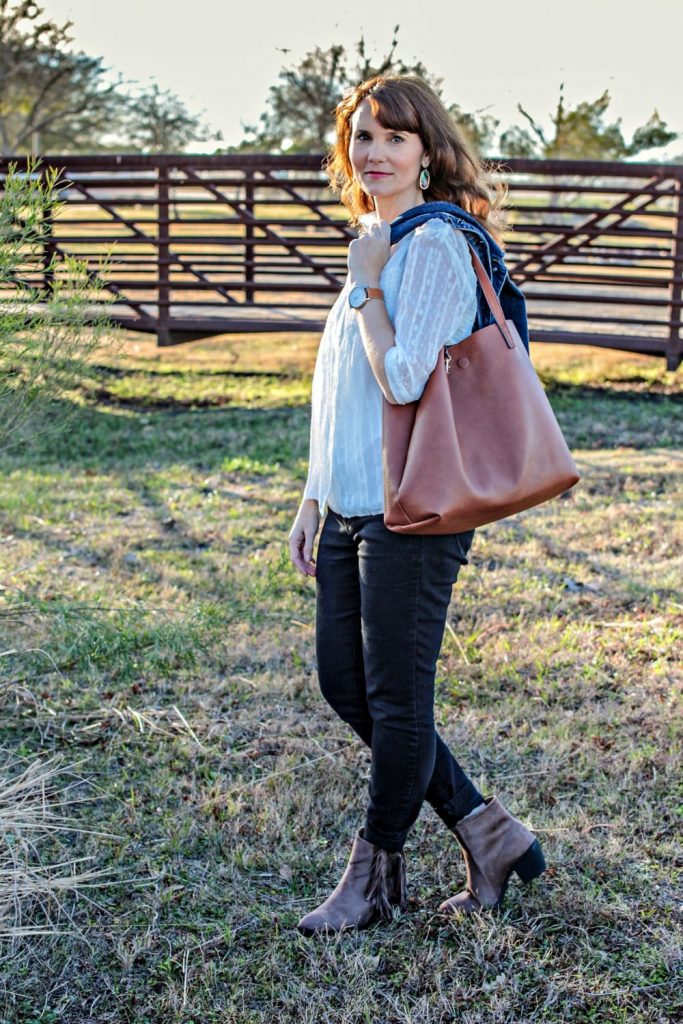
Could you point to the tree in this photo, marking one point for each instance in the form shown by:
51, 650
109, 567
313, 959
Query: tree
53, 99
50, 97
581, 133
158, 121
299, 114
300, 110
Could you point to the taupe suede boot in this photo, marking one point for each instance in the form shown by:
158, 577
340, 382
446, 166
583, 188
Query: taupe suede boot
494, 844
374, 880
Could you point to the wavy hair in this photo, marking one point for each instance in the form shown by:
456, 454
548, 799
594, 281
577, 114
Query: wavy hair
406, 103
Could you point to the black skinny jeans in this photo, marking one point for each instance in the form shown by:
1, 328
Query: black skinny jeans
381, 604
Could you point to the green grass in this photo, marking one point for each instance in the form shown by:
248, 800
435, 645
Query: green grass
165, 643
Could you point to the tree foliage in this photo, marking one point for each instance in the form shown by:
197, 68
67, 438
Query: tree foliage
157, 121
479, 127
53, 99
299, 115
49, 95
581, 133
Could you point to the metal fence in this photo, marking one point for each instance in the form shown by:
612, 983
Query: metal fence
207, 245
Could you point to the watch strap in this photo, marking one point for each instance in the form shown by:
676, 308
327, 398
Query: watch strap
367, 293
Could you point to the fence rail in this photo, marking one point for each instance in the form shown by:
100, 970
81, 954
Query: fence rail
207, 245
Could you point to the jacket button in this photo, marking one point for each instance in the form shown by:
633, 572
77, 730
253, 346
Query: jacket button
463, 361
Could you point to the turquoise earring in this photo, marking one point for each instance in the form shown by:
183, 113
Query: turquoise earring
424, 178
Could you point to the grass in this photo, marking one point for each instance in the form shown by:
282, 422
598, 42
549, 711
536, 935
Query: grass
164, 643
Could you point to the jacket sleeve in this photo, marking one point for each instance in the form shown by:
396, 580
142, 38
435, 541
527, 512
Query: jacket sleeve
513, 301
436, 306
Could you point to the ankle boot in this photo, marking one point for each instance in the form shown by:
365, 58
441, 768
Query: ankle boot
494, 845
373, 882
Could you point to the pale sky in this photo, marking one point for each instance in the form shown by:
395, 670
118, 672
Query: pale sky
221, 56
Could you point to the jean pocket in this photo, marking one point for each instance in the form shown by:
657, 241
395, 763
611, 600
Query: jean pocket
464, 544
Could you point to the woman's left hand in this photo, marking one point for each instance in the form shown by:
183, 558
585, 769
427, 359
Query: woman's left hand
368, 253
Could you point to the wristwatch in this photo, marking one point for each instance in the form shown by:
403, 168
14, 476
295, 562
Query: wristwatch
361, 294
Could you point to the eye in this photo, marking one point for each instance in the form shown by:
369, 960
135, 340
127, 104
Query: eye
360, 134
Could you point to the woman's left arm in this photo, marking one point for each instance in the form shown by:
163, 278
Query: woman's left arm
437, 304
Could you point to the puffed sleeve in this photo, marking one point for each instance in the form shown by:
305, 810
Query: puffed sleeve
436, 306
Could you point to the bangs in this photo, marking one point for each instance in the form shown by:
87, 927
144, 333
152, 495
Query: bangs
393, 112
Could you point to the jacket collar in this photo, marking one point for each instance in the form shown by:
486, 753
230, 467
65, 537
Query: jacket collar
487, 248
409, 219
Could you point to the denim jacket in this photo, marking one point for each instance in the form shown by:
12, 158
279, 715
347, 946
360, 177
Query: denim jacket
511, 297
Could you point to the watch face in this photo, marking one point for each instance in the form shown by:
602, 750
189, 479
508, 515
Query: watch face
358, 296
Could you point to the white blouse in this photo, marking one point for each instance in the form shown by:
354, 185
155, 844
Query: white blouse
430, 292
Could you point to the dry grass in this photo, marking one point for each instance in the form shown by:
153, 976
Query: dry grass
35, 885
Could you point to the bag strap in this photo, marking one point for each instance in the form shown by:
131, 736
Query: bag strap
490, 296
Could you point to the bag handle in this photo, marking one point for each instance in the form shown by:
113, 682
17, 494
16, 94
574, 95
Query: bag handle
490, 296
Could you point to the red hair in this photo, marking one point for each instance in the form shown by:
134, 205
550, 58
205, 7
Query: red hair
407, 103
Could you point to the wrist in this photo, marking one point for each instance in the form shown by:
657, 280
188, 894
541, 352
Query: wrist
367, 282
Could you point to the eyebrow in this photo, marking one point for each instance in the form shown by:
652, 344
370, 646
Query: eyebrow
388, 131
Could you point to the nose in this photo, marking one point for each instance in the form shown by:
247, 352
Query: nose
376, 155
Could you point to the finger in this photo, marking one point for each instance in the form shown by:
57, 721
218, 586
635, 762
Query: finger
295, 555
305, 548
308, 559
298, 560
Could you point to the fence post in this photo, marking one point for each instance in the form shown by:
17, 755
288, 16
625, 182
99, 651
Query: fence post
249, 241
674, 348
163, 257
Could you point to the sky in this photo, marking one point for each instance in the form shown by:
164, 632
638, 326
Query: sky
221, 56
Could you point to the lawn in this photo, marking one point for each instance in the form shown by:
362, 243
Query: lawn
159, 645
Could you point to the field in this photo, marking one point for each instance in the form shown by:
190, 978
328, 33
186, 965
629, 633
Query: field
159, 645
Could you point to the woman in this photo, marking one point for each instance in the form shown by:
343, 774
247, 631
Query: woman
381, 596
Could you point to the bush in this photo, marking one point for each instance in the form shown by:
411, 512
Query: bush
51, 321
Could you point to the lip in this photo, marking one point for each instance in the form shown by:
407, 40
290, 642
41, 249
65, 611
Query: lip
377, 174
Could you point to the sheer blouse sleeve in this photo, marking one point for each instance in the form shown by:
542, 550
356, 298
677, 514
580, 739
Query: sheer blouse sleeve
436, 306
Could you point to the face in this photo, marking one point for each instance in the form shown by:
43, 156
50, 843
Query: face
400, 155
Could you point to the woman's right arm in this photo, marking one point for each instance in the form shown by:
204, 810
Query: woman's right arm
307, 522
302, 536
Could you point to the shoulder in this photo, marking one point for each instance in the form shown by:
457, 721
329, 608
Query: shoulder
437, 238
440, 234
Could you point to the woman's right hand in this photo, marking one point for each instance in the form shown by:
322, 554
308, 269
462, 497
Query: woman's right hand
302, 536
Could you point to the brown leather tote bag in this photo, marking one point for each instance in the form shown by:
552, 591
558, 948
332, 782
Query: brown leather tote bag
480, 443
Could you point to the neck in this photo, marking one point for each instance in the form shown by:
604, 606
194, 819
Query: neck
390, 207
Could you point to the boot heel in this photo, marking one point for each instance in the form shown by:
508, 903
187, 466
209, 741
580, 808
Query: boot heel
531, 864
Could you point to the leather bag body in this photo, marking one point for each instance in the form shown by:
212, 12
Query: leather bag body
482, 441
